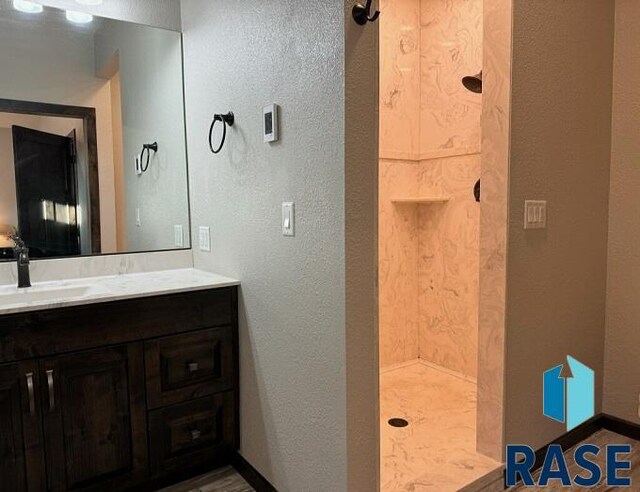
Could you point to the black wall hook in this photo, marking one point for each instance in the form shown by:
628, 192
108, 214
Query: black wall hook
147, 148
362, 13
226, 119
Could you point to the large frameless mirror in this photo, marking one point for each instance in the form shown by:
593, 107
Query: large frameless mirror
93, 154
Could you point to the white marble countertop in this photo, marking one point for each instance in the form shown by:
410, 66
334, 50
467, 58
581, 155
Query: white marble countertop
76, 292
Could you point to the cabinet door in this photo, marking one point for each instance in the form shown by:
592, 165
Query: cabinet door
21, 454
94, 419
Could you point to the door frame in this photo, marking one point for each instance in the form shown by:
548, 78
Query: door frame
88, 116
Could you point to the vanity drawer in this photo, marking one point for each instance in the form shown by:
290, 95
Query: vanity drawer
193, 433
184, 367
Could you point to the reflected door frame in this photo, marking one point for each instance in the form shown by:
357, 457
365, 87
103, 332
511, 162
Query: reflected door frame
88, 116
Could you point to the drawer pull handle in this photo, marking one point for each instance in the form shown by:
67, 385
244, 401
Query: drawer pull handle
195, 435
193, 367
32, 396
52, 398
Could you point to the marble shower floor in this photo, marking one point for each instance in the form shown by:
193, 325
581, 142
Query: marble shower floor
436, 452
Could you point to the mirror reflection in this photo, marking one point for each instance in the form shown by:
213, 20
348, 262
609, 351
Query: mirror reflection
92, 135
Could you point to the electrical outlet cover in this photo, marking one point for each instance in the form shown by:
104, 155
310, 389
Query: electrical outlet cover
205, 239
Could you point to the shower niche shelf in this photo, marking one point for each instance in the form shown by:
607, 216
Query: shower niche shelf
423, 200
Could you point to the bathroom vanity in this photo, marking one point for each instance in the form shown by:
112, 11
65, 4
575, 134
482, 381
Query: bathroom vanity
116, 383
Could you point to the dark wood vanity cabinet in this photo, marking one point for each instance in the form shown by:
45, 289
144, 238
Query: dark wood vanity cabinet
115, 396
21, 463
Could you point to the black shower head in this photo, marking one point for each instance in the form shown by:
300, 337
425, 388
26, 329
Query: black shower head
473, 83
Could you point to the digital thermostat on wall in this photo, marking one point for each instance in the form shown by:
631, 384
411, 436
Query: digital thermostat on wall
271, 123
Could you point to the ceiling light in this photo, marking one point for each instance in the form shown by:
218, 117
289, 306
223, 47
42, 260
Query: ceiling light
90, 2
79, 17
28, 7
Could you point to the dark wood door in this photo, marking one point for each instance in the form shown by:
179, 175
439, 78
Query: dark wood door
94, 419
46, 192
21, 452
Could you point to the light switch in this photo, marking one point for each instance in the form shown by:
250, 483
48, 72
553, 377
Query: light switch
138, 219
535, 214
288, 219
178, 236
205, 239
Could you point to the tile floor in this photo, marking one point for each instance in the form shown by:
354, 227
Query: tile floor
436, 452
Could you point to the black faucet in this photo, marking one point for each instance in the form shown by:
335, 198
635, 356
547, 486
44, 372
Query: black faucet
22, 257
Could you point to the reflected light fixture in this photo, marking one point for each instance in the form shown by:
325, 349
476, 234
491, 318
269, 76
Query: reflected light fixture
28, 7
79, 17
90, 2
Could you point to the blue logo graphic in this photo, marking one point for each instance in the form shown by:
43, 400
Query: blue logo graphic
569, 396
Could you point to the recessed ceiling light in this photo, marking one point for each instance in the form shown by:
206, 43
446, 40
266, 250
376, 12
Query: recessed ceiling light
90, 2
79, 17
26, 6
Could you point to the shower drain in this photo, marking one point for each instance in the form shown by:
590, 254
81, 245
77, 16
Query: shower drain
398, 423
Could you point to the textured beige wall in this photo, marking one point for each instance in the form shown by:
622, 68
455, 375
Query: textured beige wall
361, 67
560, 152
622, 357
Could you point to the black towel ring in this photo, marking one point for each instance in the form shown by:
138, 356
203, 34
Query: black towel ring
147, 148
226, 119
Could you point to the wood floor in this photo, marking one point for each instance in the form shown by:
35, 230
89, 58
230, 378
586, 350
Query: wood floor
494, 481
228, 480
222, 480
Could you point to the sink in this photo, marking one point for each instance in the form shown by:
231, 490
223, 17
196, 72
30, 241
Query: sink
43, 293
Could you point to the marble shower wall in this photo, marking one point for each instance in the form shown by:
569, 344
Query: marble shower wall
496, 129
427, 46
398, 263
400, 79
450, 48
448, 267
429, 144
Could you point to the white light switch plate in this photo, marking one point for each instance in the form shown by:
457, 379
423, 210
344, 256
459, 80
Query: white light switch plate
178, 236
205, 239
535, 214
288, 219
138, 219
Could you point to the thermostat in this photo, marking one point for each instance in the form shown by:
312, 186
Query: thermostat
271, 117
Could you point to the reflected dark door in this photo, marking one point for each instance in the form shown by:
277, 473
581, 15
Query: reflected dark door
46, 192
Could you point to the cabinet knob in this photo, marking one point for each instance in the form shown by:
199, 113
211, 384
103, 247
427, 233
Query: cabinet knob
195, 434
193, 367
